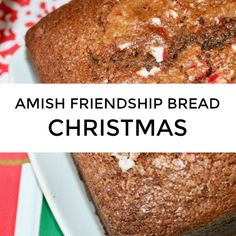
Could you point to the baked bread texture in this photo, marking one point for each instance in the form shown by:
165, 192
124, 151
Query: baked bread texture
136, 41
147, 41
162, 194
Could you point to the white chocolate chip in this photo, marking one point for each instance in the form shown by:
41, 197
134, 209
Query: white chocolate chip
154, 70
125, 162
124, 45
217, 20
156, 21
234, 47
173, 13
145, 73
158, 53
105, 81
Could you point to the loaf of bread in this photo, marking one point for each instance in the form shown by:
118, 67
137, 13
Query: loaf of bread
147, 41
162, 194
136, 41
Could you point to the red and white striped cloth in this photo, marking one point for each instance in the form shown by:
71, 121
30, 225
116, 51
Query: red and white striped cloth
20, 196
23, 210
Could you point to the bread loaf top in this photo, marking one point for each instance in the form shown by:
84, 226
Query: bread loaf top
138, 41
160, 194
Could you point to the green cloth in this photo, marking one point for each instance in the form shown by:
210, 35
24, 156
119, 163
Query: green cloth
48, 224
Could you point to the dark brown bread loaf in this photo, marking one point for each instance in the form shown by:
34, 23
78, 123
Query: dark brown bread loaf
137, 41
161, 194
146, 41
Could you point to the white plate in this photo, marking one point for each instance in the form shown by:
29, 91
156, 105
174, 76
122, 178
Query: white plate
65, 194
56, 173
21, 70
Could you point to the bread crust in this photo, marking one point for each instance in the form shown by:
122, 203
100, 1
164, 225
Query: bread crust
164, 194
58, 43
110, 41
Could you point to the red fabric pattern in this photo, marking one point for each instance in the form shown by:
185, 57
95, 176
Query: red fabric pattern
16, 17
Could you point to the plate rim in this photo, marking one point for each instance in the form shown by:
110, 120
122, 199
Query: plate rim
95, 226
